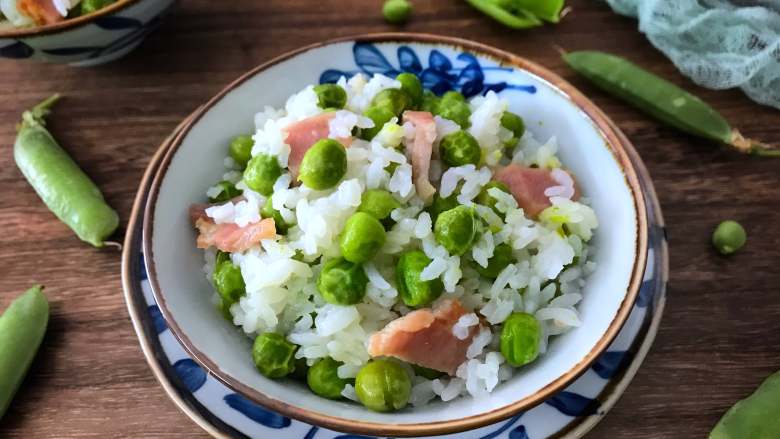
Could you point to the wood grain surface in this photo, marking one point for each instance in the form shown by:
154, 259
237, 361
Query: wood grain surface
719, 338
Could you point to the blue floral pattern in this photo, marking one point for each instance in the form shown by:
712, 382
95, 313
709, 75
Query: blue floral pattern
573, 404
16, 50
192, 376
440, 76
611, 362
256, 412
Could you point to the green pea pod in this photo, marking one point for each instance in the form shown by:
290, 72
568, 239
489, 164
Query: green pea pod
21, 330
548, 10
757, 416
661, 99
62, 185
521, 19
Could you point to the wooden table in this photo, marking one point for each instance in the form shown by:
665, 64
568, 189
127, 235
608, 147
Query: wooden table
718, 339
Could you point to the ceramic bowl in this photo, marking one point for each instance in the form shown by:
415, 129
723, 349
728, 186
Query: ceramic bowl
97, 38
589, 145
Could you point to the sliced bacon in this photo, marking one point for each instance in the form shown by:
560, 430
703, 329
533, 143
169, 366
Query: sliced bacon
424, 337
420, 151
303, 134
230, 237
40, 11
528, 186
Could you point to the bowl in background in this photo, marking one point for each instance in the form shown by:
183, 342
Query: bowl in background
589, 146
97, 38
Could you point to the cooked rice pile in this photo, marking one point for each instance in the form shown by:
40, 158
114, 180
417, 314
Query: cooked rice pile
281, 292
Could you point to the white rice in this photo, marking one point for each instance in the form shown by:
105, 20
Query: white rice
281, 292
462, 327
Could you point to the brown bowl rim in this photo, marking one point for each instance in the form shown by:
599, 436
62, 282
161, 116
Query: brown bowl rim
601, 122
48, 29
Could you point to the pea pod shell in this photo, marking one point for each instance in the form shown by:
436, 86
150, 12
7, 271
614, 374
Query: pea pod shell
548, 10
757, 416
22, 327
67, 191
492, 9
651, 94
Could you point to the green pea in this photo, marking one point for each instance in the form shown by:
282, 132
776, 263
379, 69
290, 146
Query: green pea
661, 99
224, 309
430, 102
383, 386
457, 229
440, 204
396, 11
515, 124
520, 339
273, 355
452, 97
502, 256
323, 165
330, 96
378, 203
65, 189
228, 280
453, 106
484, 198
268, 211
755, 417
90, 6
729, 237
392, 99
362, 237
414, 291
261, 173
380, 116
429, 374
228, 192
411, 85
301, 370
240, 149
342, 282
323, 379
22, 327
460, 148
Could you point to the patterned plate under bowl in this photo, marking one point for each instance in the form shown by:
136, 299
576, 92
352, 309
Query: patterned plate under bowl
223, 413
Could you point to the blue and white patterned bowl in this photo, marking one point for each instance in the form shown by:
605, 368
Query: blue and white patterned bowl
569, 414
97, 38
590, 146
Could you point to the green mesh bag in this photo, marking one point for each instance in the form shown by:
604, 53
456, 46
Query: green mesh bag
717, 43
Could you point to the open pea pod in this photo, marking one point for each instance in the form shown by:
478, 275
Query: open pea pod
757, 416
515, 19
661, 99
547, 10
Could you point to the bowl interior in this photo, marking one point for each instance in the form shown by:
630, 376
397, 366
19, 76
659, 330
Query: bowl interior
184, 293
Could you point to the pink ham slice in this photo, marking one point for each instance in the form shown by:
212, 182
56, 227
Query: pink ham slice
40, 11
424, 337
420, 151
528, 185
303, 134
229, 237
